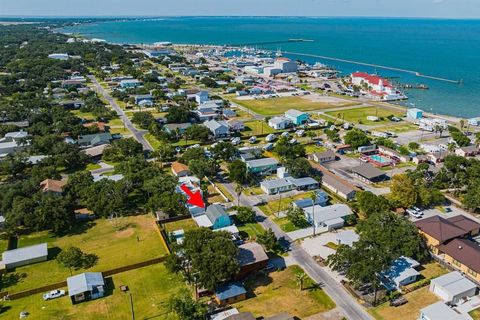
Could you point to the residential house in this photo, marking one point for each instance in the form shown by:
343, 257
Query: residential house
469, 151
180, 169
96, 152
262, 166
201, 97
144, 99
336, 184
215, 217
329, 217
219, 129
53, 186
235, 125
193, 184
401, 273
130, 83
393, 154
368, 173
321, 199
453, 287
323, 157
13, 142
72, 104
296, 117
229, 113
230, 293
59, 56
279, 123
100, 125
305, 183
438, 157
91, 140
22, 256
277, 186
251, 258
343, 148
205, 114
174, 128
86, 286
440, 311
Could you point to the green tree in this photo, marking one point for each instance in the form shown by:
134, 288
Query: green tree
356, 138
414, 146
246, 214
369, 203
297, 217
237, 172
268, 240
186, 308
143, 119
299, 167
197, 132
73, 258
403, 190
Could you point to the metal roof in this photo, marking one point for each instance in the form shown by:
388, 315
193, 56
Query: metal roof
214, 212
25, 254
229, 291
454, 283
262, 162
84, 282
251, 252
334, 211
440, 311
277, 183
368, 171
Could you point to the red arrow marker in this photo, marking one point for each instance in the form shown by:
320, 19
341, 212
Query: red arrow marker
194, 199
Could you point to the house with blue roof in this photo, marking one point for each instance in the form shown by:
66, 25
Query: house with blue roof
230, 293
401, 273
296, 117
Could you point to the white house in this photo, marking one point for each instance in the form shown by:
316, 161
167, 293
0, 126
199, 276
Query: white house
329, 217
401, 273
59, 56
453, 287
440, 311
201, 97
279, 123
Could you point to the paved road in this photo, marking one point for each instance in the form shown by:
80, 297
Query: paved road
137, 134
346, 303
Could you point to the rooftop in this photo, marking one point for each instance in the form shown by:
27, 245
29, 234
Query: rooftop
26, 253
251, 252
445, 229
262, 162
368, 171
454, 282
230, 290
84, 282
465, 251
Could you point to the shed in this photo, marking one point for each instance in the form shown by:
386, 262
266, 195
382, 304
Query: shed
86, 286
453, 287
230, 293
23, 256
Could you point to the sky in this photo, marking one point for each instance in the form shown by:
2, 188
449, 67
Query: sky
372, 8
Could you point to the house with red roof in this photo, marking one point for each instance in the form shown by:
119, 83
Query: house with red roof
376, 87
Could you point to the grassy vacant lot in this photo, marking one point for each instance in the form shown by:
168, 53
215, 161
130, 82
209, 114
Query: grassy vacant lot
152, 140
279, 291
116, 242
84, 115
254, 127
150, 288
417, 300
275, 206
275, 106
187, 224
400, 127
360, 114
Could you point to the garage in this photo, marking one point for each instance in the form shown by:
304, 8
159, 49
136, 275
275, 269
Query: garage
453, 287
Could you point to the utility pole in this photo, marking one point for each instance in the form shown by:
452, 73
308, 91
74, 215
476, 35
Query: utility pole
131, 307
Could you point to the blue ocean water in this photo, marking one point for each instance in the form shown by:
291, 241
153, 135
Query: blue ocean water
442, 48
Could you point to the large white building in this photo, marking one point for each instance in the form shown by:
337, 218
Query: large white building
376, 86
286, 65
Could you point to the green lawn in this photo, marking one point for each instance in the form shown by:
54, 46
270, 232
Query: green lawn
417, 300
225, 191
279, 291
84, 115
186, 224
275, 106
151, 287
93, 166
115, 122
117, 242
153, 141
475, 314
253, 128
275, 206
357, 115
252, 229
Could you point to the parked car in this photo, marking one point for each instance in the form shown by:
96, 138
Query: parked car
398, 302
300, 133
270, 138
252, 139
293, 141
414, 213
236, 141
53, 294
268, 147
285, 134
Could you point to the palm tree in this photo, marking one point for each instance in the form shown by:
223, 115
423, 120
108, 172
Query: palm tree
239, 190
462, 124
301, 278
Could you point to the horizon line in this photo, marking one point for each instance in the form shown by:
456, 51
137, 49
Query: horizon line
227, 16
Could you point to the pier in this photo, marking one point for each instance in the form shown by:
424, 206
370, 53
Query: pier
415, 73
264, 43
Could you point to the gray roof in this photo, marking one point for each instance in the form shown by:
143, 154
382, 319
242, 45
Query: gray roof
213, 125
173, 126
325, 154
262, 162
368, 171
302, 182
278, 120
338, 184
251, 252
25, 254
276, 183
334, 211
440, 311
84, 282
97, 138
401, 269
214, 212
454, 283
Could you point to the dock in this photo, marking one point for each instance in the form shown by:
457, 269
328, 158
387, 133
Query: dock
415, 73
